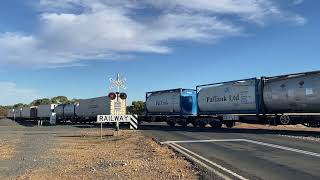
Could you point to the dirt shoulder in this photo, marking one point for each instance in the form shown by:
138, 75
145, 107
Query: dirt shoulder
127, 156
7, 143
7, 149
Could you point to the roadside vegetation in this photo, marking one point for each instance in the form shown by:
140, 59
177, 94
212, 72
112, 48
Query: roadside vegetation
37, 102
137, 108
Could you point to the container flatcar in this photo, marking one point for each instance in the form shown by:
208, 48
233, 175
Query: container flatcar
173, 106
227, 102
29, 113
45, 111
10, 114
88, 109
65, 112
293, 98
17, 113
285, 99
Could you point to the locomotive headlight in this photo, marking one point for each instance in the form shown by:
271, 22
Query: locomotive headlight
123, 96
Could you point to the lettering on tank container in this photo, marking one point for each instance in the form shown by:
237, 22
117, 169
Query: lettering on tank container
228, 97
159, 103
166, 102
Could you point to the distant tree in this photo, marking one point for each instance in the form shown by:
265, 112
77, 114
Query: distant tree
60, 100
74, 101
137, 107
19, 105
38, 102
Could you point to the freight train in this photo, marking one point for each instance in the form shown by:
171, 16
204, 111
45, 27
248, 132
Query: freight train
85, 111
285, 99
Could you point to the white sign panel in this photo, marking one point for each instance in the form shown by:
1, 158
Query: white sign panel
117, 106
118, 118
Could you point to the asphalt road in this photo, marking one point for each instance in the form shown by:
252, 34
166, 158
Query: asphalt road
252, 154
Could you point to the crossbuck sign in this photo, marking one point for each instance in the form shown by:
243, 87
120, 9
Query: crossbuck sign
118, 118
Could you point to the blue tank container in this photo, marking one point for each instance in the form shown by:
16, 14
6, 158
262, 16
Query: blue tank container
172, 102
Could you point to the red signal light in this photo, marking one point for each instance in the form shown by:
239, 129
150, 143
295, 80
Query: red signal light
112, 96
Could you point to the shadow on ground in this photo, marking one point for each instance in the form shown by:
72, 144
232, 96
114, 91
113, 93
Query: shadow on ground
163, 127
297, 132
84, 125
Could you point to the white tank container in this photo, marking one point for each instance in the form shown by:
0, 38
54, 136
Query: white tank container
297, 94
235, 97
17, 112
76, 110
164, 102
59, 111
10, 113
45, 111
90, 108
68, 110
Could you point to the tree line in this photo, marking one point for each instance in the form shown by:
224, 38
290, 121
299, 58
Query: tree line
37, 102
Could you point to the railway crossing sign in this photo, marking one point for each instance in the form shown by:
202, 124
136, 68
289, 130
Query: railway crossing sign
118, 82
118, 119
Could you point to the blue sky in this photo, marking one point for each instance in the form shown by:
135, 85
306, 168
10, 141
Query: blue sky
72, 47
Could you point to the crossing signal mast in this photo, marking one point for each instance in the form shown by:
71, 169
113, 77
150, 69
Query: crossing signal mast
116, 96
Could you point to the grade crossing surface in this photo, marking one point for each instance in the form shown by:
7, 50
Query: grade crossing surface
243, 153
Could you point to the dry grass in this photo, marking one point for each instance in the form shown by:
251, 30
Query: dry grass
127, 156
6, 150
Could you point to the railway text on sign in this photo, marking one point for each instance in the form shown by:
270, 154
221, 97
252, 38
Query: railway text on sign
118, 118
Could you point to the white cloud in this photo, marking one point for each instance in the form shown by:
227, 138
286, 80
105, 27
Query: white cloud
11, 94
258, 11
297, 2
75, 30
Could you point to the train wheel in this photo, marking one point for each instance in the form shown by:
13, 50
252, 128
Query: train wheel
216, 124
284, 119
314, 124
184, 124
202, 124
195, 124
229, 124
171, 123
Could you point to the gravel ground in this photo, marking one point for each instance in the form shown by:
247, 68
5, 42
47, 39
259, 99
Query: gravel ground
28, 145
77, 152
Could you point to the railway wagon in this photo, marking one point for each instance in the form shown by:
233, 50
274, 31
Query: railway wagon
59, 112
10, 114
17, 113
89, 109
228, 102
292, 98
45, 111
29, 113
285, 99
172, 106
65, 112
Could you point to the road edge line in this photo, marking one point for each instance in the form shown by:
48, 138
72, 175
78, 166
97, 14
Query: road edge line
193, 159
212, 163
203, 141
